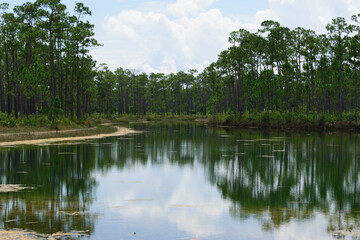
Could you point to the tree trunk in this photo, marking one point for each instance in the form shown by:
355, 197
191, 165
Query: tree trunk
355, 89
2, 96
52, 70
72, 95
78, 107
15, 86
9, 95
60, 79
82, 89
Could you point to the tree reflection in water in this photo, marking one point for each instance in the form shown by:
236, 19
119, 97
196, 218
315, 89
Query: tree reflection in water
271, 176
276, 177
63, 190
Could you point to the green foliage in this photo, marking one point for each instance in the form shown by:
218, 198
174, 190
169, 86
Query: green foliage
9, 122
55, 112
349, 117
31, 121
275, 75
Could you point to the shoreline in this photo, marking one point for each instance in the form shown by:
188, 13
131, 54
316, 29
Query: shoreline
299, 124
294, 127
120, 131
107, 129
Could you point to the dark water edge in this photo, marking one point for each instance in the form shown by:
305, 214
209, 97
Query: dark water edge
188, 181
292, 126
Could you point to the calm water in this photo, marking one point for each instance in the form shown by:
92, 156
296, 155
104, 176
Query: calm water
188, 182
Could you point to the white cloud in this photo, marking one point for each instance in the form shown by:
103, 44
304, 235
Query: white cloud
311, 229
177, 200
312, 14
186, 34
184, 8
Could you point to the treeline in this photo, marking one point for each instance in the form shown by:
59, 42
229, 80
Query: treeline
291, 71
44, 55
275, 69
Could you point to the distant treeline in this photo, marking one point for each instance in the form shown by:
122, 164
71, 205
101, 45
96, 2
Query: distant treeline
275, 69
44, 55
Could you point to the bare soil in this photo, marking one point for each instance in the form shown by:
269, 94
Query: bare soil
119, 131
17, 234
12, 188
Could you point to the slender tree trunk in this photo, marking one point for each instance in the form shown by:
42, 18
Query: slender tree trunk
66, 92
82, 98
78, 107
60, 78
31, 102
72, 94
86, 106
341, 86
239, 93
15, 85
2, 94
299, 62
33, 106
119, 99
9, 95
127, 103
355, 89
214, 114
26, 106
188, 101
29, 55
83, 89
52, 69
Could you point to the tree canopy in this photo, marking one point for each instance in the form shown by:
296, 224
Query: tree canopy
44, 55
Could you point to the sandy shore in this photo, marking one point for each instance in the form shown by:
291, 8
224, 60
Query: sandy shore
119, 132
17, 234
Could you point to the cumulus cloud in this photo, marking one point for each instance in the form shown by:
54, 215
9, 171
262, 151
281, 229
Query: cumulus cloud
181, 203
312, 14
311, 229
187, 34
183, 8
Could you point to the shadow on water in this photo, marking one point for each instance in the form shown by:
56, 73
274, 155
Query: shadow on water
272, 176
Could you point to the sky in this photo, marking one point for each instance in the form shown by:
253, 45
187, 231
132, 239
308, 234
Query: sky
177, 35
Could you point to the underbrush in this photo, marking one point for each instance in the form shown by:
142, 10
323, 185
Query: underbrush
40, 121
100, 118
268, 119
278, 119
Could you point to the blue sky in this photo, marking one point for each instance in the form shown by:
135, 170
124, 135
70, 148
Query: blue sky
173, 35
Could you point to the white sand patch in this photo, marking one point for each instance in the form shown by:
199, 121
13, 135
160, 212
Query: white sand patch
120, 132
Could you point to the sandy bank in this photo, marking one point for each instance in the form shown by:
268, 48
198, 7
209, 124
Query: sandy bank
120, 131
17, 234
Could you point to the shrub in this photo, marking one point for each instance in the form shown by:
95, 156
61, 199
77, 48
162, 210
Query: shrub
321, 120
265, 117
350, 117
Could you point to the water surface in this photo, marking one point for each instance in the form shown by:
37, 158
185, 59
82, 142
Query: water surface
184, 181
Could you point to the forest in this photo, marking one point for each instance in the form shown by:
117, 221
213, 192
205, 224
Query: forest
274, 74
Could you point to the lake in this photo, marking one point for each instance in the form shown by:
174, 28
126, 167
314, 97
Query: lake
187, 181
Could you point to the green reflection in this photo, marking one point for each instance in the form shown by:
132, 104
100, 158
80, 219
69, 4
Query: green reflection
272, 176
63, 190
289, 176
